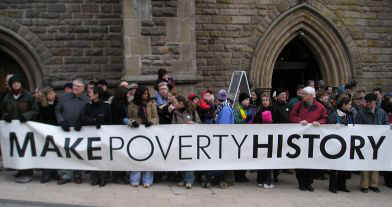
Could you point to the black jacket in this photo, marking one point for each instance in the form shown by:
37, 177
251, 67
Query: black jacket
281, 113
47, 114
96, 113
119, 111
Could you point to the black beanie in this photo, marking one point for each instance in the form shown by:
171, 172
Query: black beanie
243, 96
15, 78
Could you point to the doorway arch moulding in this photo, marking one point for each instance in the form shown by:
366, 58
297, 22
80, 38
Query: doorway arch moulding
333, 47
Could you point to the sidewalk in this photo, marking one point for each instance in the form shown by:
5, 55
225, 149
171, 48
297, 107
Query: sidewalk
167, 194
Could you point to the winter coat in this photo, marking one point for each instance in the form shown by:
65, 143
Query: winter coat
24, 105
264, 115
365, 116
119, 111
151, 113
312, 113
47, 113
244, 116
340, 117
224, 114
183, 117
70, 108
96, 114
281, 113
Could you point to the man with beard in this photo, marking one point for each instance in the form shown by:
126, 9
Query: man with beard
18, 104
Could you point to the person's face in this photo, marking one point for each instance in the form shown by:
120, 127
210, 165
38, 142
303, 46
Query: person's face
357, 101
265, 101
378, 94
347, 107
300, 93
164, 91
104, 87
77, 88
51, 96
145, 96
179, 105
93, 96
253, 96
329, 90
245, 102
16, 85
371, 104
325, 99
282, 97
307, 97
311, 83
196, 101
90, 87
68, 90
131, 92
208, 97
124, 84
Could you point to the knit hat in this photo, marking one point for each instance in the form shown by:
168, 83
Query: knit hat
222, 95
242, 97
68, 85
279, 91
192, 96
102, 82
15, 78
310, 90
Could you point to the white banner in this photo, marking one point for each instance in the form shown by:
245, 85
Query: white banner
197, 147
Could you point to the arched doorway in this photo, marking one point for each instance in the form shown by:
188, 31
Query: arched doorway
318, 34
296, 64
18, 56
9, 66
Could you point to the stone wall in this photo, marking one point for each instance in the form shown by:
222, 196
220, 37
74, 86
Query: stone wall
229, 30
80, 38
159, 34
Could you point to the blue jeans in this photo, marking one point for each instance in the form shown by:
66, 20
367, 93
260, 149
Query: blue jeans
189, 177
148, 177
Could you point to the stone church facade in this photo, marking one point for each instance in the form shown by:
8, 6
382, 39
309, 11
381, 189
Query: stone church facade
201, 42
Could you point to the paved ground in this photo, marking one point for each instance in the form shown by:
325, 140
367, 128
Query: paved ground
166, 194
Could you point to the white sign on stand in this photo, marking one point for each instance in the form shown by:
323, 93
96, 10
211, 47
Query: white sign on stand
238, 84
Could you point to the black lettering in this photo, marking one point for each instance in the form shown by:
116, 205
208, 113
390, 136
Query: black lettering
376, 146
291, 144
256, 145
220, 143
343, 146
168, 149
183, 146
49, 140
356, 148
239, 145
202, 148
69, 149
311, 138
91, 149
29, 138
280, 146
117, 148
141, 137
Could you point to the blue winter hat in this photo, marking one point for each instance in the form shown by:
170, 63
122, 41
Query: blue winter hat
222, 95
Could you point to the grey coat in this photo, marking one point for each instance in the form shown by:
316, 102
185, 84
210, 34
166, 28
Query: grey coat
70, 107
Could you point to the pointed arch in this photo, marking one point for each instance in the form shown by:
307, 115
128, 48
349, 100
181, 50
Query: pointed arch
318, 33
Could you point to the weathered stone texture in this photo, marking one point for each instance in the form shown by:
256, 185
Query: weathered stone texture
83, 37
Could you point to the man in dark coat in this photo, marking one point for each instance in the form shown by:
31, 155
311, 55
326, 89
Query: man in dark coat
68, 112
18, 104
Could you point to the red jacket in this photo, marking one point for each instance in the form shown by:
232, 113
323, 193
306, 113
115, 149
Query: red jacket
315, 112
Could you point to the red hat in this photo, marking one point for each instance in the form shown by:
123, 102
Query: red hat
192, 96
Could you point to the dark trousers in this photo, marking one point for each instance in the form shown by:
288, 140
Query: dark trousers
388, 179
304, 177
337, 180
97, 177
264, 177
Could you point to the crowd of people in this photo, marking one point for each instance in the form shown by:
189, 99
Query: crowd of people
92, 104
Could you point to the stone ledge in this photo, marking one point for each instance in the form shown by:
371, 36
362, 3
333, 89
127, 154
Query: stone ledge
181, 79
151, 79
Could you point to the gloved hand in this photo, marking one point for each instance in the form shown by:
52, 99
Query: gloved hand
98, 126
8, 118
148, 124
133, 124
64, 125
78, 127
22, 119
